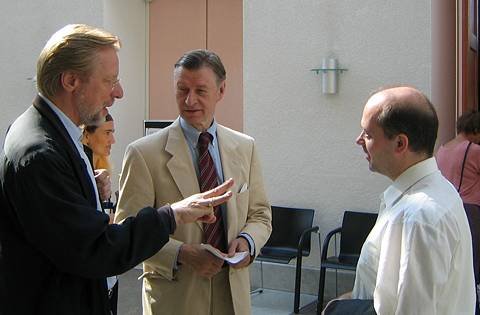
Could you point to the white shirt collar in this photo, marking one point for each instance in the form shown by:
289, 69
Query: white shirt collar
192, 134
407, 179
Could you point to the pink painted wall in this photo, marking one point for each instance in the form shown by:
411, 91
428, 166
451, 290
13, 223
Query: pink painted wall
444, 73
177, 26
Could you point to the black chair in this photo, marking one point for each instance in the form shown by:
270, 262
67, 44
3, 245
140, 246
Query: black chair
473, 216
354, 230
290, 238
152, 125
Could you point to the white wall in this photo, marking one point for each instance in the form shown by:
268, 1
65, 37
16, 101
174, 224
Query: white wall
128, 20
26, 27
306, 139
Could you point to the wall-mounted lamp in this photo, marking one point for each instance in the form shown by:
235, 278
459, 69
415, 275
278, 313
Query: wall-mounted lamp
329, 71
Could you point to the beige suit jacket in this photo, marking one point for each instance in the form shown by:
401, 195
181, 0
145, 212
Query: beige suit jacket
158, 169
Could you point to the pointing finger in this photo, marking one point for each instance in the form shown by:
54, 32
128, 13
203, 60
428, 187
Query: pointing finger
215, 201
219, 190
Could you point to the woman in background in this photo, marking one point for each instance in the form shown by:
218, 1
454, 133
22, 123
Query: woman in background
459, 162
450, 158
100, 140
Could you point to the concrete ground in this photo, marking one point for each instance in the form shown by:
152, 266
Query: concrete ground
270, 302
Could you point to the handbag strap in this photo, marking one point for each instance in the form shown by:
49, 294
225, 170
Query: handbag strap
463, 166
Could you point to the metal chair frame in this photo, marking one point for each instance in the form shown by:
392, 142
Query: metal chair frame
300, 249
344, 260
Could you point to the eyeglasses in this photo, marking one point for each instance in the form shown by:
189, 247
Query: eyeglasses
114, 83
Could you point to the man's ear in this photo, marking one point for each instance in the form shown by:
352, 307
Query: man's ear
401, 143
221, 90
69, 81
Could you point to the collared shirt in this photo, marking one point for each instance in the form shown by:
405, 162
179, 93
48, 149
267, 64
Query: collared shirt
418, 257
191, 135
75, 134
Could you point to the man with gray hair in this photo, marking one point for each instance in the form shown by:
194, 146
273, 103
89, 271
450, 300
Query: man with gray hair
184, 158
56, 244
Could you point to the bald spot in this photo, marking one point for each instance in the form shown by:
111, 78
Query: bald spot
403, 97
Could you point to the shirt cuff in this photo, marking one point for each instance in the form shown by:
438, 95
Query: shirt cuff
251, 244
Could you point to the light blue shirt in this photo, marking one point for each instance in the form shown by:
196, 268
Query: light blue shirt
75, 134
191, 135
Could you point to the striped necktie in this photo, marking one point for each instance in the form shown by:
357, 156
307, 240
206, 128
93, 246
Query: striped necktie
212, 233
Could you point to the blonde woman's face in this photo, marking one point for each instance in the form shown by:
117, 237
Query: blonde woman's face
102, 139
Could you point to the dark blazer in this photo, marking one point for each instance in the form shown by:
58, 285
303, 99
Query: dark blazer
56, 249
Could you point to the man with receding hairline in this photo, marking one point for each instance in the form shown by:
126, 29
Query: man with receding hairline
176, 161
418, 257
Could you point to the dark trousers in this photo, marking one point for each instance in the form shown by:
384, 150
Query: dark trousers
350, 307
113, 299
473, 215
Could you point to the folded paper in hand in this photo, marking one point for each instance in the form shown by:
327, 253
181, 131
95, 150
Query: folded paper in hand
238, 257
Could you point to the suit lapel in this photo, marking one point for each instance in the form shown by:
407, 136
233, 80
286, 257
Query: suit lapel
76, 160
228, 150
180, 164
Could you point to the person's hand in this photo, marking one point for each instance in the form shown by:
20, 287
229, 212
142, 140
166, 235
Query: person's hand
200, 260
199, 207
104, 186
239, 244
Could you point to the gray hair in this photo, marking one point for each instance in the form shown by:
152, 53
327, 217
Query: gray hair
196, 59
72, 48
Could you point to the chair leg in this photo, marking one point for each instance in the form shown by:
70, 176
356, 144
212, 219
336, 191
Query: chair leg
321, 288
261, 277
259, 290
298, 282
336, 282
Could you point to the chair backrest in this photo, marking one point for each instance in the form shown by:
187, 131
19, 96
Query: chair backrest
355, 228
288, 225
151, 125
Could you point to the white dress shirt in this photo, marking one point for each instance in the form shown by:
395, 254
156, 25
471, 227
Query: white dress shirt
418, 257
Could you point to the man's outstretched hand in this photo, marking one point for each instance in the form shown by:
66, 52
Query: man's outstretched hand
199, 207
